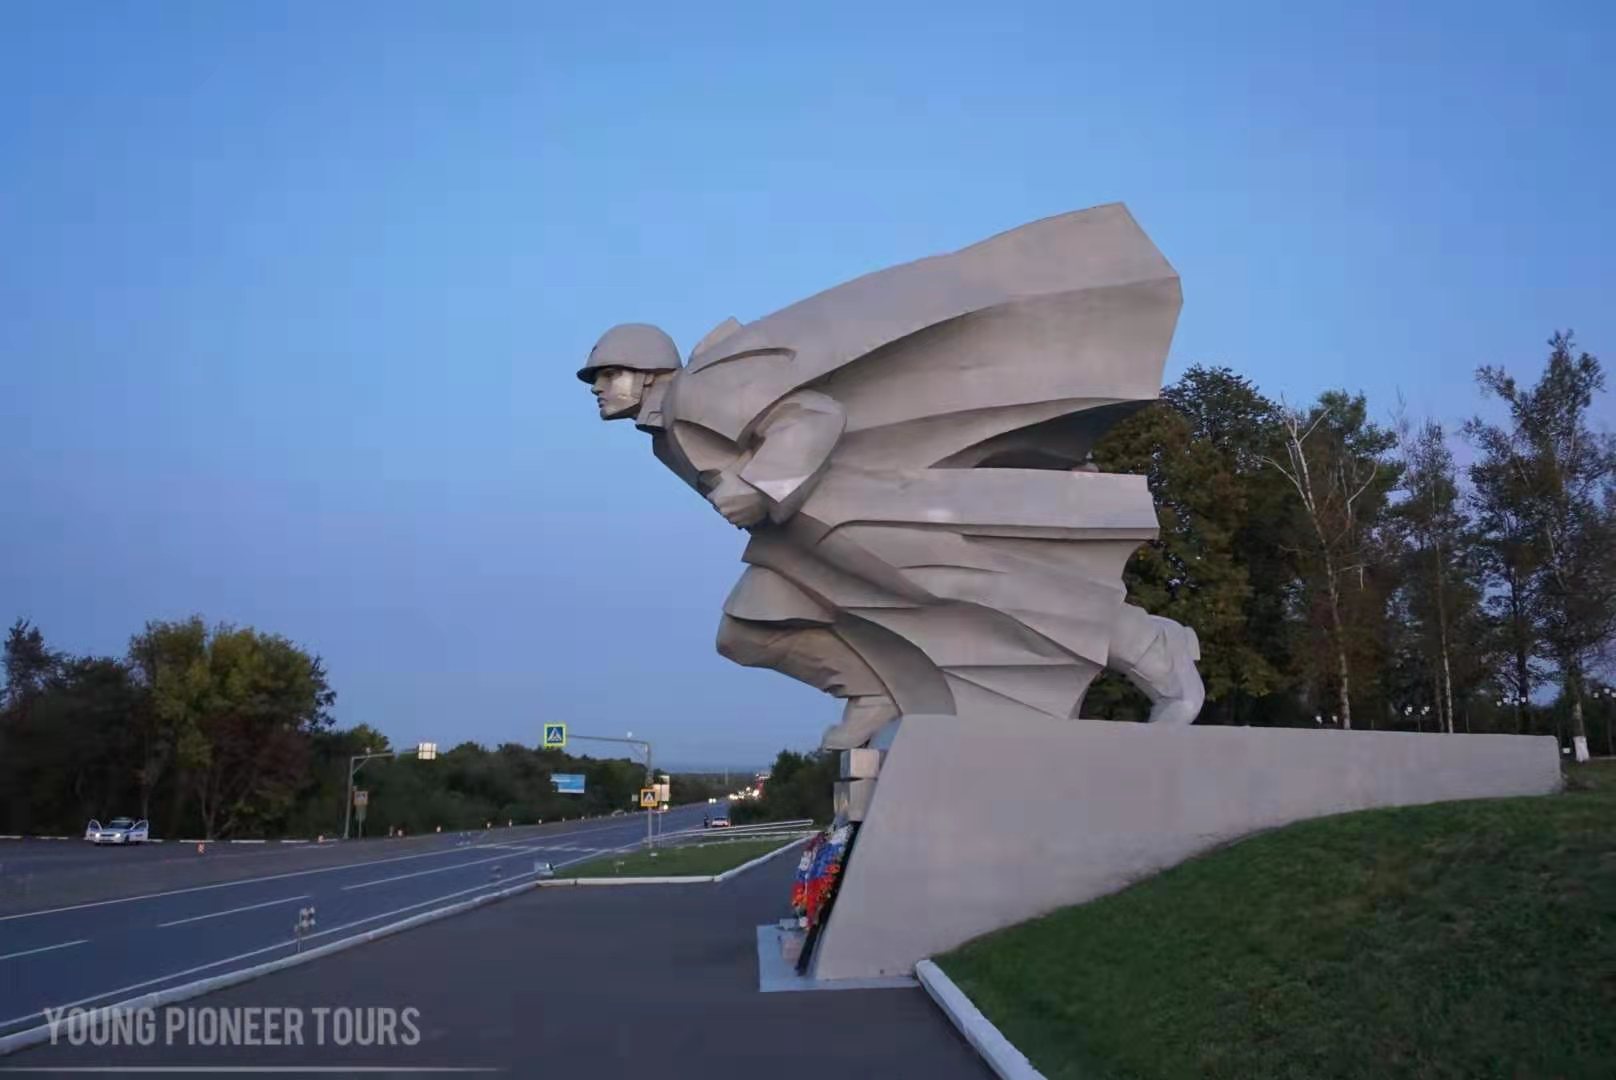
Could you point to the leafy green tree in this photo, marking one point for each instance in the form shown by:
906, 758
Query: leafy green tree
170, 660
86, 711
1200, 451
29, 664
1546, 484
799, 786
64, 735
231, 711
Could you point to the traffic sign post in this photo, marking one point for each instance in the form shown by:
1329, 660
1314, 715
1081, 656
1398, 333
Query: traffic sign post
650, 836
555, 737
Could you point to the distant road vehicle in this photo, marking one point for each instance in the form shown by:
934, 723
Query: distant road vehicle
718, 816
120, 830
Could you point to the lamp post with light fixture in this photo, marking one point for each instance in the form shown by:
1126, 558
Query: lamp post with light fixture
1417, 717
427, 751
1608, 695
1516, 701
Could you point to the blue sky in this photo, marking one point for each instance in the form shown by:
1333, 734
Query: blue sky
291, 294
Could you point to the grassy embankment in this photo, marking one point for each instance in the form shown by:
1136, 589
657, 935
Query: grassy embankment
694, 860
1472, 939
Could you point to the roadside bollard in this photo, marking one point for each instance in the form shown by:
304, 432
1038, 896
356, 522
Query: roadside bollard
305, 923
201, 847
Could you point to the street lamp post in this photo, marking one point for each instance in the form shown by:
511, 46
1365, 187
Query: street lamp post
1609, 695
423, 752
1517, 701
1418, 717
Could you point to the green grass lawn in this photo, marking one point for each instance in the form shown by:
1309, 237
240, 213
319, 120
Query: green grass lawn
1464, 940
696, 860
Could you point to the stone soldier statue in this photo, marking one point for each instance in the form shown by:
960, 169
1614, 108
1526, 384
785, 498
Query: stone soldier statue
910, 453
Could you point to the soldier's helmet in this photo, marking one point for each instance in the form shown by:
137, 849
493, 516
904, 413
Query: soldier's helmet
635, 346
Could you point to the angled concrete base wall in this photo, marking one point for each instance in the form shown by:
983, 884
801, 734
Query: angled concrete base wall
978, 825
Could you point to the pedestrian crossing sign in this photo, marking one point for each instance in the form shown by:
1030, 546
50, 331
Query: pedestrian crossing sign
555, 736
648, 799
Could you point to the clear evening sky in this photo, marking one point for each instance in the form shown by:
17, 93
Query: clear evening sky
291, 294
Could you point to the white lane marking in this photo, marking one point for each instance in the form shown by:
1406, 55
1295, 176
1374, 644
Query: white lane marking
148, 982
266, 877
446, 896
440, 869
525, 850
175, 1070
269, 948
232, 911
47, 948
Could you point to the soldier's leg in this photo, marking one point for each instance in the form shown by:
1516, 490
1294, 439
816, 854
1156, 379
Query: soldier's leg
817, 656
1158, 656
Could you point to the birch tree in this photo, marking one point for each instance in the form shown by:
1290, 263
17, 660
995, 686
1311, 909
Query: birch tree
1550, 484
1439, 573
1335, 461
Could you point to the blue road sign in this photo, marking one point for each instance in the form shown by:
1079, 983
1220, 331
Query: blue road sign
568, 783
555, 736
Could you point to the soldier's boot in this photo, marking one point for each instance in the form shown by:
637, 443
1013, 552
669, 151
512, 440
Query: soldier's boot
1158, 656
861, 719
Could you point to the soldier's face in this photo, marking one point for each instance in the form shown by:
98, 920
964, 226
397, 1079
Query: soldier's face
618, 392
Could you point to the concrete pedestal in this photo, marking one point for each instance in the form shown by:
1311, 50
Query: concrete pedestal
974, 826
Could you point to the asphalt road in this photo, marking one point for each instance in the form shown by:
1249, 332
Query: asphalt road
164, 915
37, 874
627, 981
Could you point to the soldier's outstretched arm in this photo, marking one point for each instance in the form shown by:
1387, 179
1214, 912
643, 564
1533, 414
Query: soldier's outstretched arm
782, 459
790, 448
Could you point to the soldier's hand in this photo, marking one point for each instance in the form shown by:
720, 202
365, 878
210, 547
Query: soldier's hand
741, 504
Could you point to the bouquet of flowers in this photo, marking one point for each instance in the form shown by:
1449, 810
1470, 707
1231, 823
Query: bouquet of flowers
818, 872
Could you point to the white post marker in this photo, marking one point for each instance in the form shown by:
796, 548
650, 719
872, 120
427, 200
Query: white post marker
305, 924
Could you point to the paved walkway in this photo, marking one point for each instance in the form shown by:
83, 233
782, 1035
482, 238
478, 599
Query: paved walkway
658, 982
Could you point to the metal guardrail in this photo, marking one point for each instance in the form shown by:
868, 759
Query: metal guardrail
742, 832
781, 837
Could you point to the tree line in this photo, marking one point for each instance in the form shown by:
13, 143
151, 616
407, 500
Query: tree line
1343, 570
225, 731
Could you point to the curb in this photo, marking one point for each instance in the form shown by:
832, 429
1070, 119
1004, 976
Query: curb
727, 874
685, 879
1000, 1053
21, 1040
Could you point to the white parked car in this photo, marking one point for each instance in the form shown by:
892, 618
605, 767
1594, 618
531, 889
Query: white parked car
120, 830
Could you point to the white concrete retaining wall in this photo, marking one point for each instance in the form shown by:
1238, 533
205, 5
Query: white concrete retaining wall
976, 826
